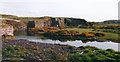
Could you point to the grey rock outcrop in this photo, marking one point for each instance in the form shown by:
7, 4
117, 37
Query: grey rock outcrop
59, 22
6, 30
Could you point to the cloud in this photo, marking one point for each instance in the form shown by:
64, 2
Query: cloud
90, 10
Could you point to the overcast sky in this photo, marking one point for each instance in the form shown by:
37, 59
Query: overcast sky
91, 10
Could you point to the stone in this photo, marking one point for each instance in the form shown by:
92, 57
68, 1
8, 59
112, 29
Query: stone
6, 30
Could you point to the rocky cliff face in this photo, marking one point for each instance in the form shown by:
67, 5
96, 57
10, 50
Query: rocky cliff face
59, 22
45, 21
55, 22
62, 22
6, 30
74, 22
17, 24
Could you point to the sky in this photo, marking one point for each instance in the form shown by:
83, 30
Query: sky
90, 10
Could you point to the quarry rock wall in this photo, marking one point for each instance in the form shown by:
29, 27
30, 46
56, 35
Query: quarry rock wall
6, 30
59, 22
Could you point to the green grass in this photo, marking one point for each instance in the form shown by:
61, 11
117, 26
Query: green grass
108, 30
98, 25
91, 54
83, 54
80, 30
109, 35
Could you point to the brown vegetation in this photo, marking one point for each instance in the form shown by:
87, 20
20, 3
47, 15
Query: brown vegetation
87, 34
64, 34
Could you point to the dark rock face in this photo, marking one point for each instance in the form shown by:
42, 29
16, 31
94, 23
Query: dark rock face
17, 24
60, 22
44, 22
31, 24
54, 22
75, 22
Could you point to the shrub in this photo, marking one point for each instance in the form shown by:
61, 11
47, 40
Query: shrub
39, 29
17, 48
81, 47
10, 48
36, 30
110, 50
99, 34
87, 34
74, 32
9, 55
51, 28
53, 31
62, 32
71, 47
80, 57
8, 37
92, 34
86, 51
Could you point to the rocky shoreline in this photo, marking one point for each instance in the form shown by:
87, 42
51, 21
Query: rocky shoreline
56, 48
28, 50
28, 44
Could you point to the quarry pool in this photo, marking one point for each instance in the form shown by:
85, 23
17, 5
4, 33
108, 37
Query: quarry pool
76, 43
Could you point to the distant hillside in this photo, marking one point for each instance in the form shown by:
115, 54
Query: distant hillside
105, 23
112, 22
8, 16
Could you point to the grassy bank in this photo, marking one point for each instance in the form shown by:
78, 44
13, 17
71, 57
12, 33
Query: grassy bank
86, 34
99, 25
80, 30
55, 33
109, 35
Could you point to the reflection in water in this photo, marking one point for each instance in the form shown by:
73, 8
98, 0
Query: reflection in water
77, 43
23, 32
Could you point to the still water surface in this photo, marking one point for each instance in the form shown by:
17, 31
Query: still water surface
77, 43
